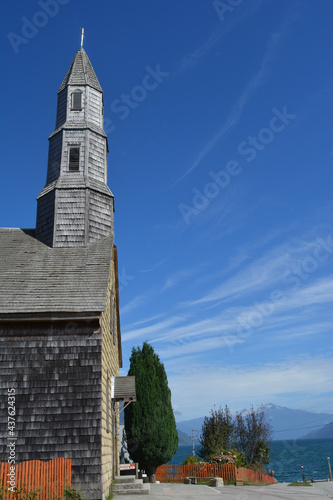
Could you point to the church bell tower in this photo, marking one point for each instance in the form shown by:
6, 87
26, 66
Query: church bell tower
76, 206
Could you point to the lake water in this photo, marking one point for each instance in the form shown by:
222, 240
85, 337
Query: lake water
287, 457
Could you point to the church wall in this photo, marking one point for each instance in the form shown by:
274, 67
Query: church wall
54, 160
61, 108
45, 216
110, 367
97, 157
100, 215
57, 380
95, 106
71, 209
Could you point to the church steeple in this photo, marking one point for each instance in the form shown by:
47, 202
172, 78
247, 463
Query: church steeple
76, 205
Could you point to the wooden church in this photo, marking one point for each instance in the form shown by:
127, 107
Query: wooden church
60, 345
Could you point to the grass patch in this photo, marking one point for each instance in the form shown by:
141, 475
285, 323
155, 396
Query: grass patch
298, 483
110, 496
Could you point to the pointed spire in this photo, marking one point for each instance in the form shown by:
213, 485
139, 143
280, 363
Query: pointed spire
82, 37
81, 72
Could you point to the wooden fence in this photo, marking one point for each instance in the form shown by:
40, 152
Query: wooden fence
229, 472
253, 476
51, 477
177, 473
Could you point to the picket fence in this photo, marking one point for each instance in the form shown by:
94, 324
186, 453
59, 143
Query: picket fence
229, 472
51, 477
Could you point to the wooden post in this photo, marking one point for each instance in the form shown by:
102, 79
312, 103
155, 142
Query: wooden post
329, 467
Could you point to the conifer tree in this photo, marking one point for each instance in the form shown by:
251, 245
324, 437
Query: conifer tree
150, 425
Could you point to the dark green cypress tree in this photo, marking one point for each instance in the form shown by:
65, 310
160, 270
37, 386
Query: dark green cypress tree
150, 426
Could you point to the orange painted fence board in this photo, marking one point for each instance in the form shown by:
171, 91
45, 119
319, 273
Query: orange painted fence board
229, 472
51, 477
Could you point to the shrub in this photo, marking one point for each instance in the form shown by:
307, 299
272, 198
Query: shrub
73, 494
192, 460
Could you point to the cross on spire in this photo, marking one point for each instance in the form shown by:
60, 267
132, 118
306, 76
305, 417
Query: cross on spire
82, 36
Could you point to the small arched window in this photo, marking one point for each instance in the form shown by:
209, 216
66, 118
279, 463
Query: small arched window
76, 100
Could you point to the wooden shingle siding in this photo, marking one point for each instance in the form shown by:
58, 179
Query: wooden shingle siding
70, 222
54, 160
100, 216
95, 105
96, 158
57, 382
111, 362
61, 108
45, 218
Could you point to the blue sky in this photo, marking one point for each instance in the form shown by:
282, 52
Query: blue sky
219, 119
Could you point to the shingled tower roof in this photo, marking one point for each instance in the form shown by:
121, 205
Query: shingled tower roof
81, 72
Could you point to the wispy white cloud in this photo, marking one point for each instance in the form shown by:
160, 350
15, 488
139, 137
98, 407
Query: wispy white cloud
262, 273
264, 295
138, 301
182, 335
147, 331
144, 321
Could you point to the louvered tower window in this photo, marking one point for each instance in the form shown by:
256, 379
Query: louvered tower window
77, 100
74, 159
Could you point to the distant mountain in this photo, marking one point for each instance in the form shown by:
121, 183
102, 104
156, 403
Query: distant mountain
325, 432
184, 439
286, 423
188, 425
292, 424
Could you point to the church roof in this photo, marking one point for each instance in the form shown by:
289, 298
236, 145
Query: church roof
81, 72
37, 279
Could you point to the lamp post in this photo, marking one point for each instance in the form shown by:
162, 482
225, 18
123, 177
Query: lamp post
329, 467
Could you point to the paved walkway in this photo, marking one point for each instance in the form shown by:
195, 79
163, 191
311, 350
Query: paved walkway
281, 491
